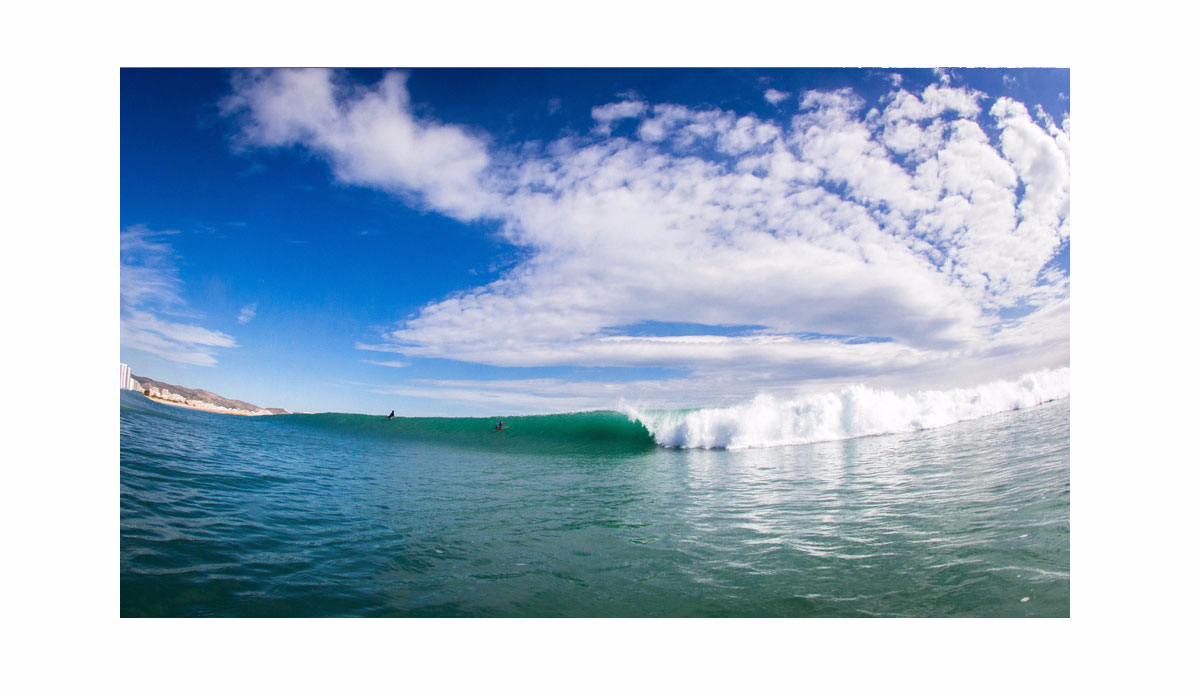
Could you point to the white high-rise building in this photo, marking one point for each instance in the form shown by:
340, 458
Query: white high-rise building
126, 377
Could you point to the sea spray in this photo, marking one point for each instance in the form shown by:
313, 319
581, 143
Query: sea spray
335, 516
765, 421
855, 411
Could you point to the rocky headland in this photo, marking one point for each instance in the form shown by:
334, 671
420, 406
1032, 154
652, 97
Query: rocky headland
198, 399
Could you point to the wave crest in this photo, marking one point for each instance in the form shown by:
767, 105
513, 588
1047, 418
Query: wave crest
855, 411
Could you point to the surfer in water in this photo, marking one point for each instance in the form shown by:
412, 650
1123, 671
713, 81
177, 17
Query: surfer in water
500, 426
389, 417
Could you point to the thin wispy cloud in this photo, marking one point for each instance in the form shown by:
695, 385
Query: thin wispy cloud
151, 290
246, 315
902, 220
398, 364
148, 274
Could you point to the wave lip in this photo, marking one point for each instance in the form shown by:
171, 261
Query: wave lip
856, 411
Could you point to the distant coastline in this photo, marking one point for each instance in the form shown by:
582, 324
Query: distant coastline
195, 399
216, 409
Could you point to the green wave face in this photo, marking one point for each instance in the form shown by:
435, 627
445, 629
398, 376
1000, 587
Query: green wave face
596, 432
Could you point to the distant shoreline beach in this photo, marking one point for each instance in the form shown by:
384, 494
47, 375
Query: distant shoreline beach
208, 409
195, 399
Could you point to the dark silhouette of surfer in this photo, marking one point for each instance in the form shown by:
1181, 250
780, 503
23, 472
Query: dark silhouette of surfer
389, 417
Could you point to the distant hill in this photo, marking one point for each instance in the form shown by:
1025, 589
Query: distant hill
201, 398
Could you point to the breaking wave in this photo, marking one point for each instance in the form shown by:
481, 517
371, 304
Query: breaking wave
855, 411
599, 431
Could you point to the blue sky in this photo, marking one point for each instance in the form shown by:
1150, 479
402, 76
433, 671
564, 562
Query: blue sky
454, 241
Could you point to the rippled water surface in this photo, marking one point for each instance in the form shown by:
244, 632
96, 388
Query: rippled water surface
274, 516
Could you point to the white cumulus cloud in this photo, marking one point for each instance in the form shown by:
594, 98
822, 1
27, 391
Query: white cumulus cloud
858, 242
607, 114
775, 96
370, 138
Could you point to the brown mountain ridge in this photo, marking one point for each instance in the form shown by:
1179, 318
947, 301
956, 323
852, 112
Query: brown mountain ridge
199, 398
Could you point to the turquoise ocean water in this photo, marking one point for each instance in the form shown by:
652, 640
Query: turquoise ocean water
591, 515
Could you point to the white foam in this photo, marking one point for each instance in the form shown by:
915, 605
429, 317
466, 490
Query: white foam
853, 412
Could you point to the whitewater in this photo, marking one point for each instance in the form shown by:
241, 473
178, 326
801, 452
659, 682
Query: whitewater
960, 506
855, 411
